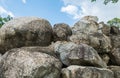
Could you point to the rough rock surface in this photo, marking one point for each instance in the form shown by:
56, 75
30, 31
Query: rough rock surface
99, 41
105, 58
31, 48
115, 30
85, 26
105, 29
80, 38
61, 32
29, 62
115, 40
90, 18
73, 54
116, 71
75, 71
115, 56
25, 31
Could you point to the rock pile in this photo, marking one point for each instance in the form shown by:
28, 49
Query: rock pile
31, 48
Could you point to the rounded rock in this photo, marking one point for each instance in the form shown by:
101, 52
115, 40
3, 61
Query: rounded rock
25, 31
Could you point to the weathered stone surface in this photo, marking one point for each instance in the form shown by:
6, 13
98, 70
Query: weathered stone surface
29, 62
116, 71
25, 31
73, 54
85, 26
105, 58
80, 38
105, 29
99, 41
115, 40
115, 56
115, 30
90, 18
75, 71
61, 32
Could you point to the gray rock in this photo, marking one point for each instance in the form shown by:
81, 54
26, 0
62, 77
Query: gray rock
105, 58
104, 28
116, 71
85, 26
61, 32
89, 18
73, 54
115, 40
115, 30
80, 38
115, 56
29, 62
99, 41
75, 71
25, 31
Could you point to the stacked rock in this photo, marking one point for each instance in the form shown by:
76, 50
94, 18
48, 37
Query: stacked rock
31, 48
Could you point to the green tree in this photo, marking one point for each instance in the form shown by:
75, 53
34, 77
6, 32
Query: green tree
114, 22
107, 1
3, 20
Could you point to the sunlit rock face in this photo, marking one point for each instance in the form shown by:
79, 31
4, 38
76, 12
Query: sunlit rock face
31, 48
30, 62
25, 31
75, 71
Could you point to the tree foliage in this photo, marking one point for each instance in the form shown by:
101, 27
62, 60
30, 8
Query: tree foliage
3, 20
114, 22
107, 1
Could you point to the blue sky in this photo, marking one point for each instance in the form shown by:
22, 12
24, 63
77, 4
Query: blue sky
58, 11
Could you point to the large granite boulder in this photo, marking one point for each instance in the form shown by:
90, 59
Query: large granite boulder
61, 32
90, 18
75, 71
85, 26
73, 54
30, 62
116, 71
115, 56
80, 38
25, 31
104, 28
115, 30
115, 40
99, 41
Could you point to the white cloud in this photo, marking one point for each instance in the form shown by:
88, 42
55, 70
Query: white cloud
85, 7
3, 11
71, 9
24, 1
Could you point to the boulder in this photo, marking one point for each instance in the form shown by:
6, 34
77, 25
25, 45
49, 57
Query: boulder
99, 41
75, 71
85, 26
90, 18
115, 30
82, 54
79, 38
115, 56
29, 62
116, 71
105, 58
25, 31
115, 40
104, 28
61, 32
